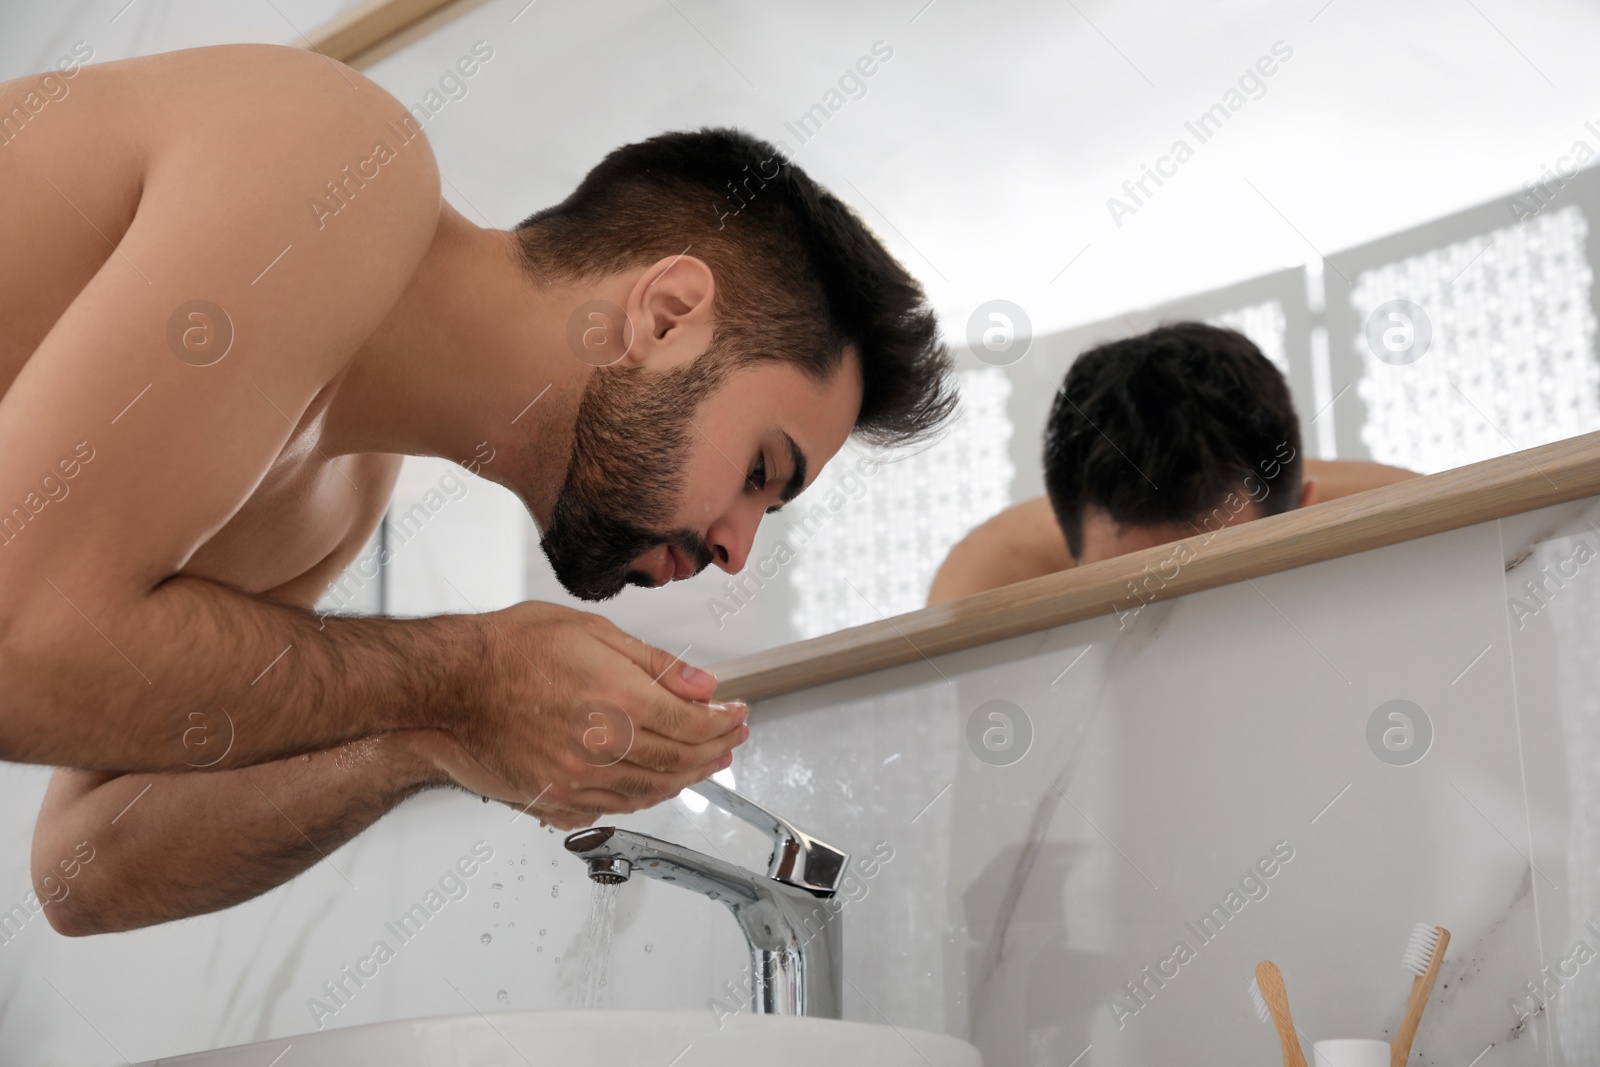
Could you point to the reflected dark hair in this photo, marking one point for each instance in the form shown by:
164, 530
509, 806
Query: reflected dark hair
1158, 429
799, 276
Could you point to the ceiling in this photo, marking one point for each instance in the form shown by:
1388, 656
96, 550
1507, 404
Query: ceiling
985, 149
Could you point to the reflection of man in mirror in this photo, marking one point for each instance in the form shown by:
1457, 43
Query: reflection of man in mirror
1176, 432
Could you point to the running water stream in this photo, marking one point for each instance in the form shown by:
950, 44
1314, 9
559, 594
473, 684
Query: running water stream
597, 945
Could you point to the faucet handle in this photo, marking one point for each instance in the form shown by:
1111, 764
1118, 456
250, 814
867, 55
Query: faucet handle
798, 859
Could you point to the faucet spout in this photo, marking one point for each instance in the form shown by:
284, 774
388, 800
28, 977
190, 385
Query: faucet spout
798, 859
609, 870
794, 935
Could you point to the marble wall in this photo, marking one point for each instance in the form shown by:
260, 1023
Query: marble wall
1202, 787
1203, 774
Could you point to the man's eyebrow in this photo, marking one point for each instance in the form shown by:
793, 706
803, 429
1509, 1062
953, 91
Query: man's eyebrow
797, 479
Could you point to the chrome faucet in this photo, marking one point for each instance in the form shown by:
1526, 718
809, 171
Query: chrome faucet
795, 936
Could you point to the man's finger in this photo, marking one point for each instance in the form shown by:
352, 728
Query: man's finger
663, 668
699, 774
597, 802
640, 783
654, 710
547, 816
636, 779
589, 802
667, 756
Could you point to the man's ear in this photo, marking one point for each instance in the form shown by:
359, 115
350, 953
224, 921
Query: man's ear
1310, 492
670, 309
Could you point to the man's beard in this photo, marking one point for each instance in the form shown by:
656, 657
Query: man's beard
625, 474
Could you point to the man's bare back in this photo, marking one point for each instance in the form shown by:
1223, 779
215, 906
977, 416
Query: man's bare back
156, 133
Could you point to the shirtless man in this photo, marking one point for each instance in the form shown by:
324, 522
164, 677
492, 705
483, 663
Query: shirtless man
1192, 409
234, 300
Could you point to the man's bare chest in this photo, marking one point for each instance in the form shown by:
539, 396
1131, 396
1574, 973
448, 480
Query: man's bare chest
304, 523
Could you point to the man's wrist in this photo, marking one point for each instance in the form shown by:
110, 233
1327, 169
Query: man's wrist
454, 696
415, 758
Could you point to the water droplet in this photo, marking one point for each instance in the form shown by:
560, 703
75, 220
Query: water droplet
555, 891
497, 887
519, 877
486, 800
500, 995
540, 948
524, 861
485, 939
649, 948
558, 959
497, 904
555, 863
541, 933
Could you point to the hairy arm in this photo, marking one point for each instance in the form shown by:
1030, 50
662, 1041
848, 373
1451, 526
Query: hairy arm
194, 655
117, 852
122, 851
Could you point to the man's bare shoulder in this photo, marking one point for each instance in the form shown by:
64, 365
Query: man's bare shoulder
281, 138
303, 89
259, 214
291, 114
1023, 541
292, 168
1335, 478
246, 149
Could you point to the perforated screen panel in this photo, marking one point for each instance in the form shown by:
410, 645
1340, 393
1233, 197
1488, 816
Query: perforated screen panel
867, 544
1510, 362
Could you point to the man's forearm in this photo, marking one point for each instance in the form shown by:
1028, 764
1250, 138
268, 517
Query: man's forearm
192, 670
167, 846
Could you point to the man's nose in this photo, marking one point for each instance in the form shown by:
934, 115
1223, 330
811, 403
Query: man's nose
732, 536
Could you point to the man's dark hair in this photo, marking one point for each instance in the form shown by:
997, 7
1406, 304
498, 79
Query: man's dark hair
1158, 429
799, 276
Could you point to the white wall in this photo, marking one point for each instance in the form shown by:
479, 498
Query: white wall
1169, 755
1166, 758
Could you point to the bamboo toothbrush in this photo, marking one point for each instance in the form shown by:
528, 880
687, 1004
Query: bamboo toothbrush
1423, 956
1272, 1005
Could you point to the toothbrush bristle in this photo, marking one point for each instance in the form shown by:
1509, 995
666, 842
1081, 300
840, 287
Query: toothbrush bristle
1263, 1012
1419, 950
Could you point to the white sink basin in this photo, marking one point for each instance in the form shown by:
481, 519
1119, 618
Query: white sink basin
604, 1038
